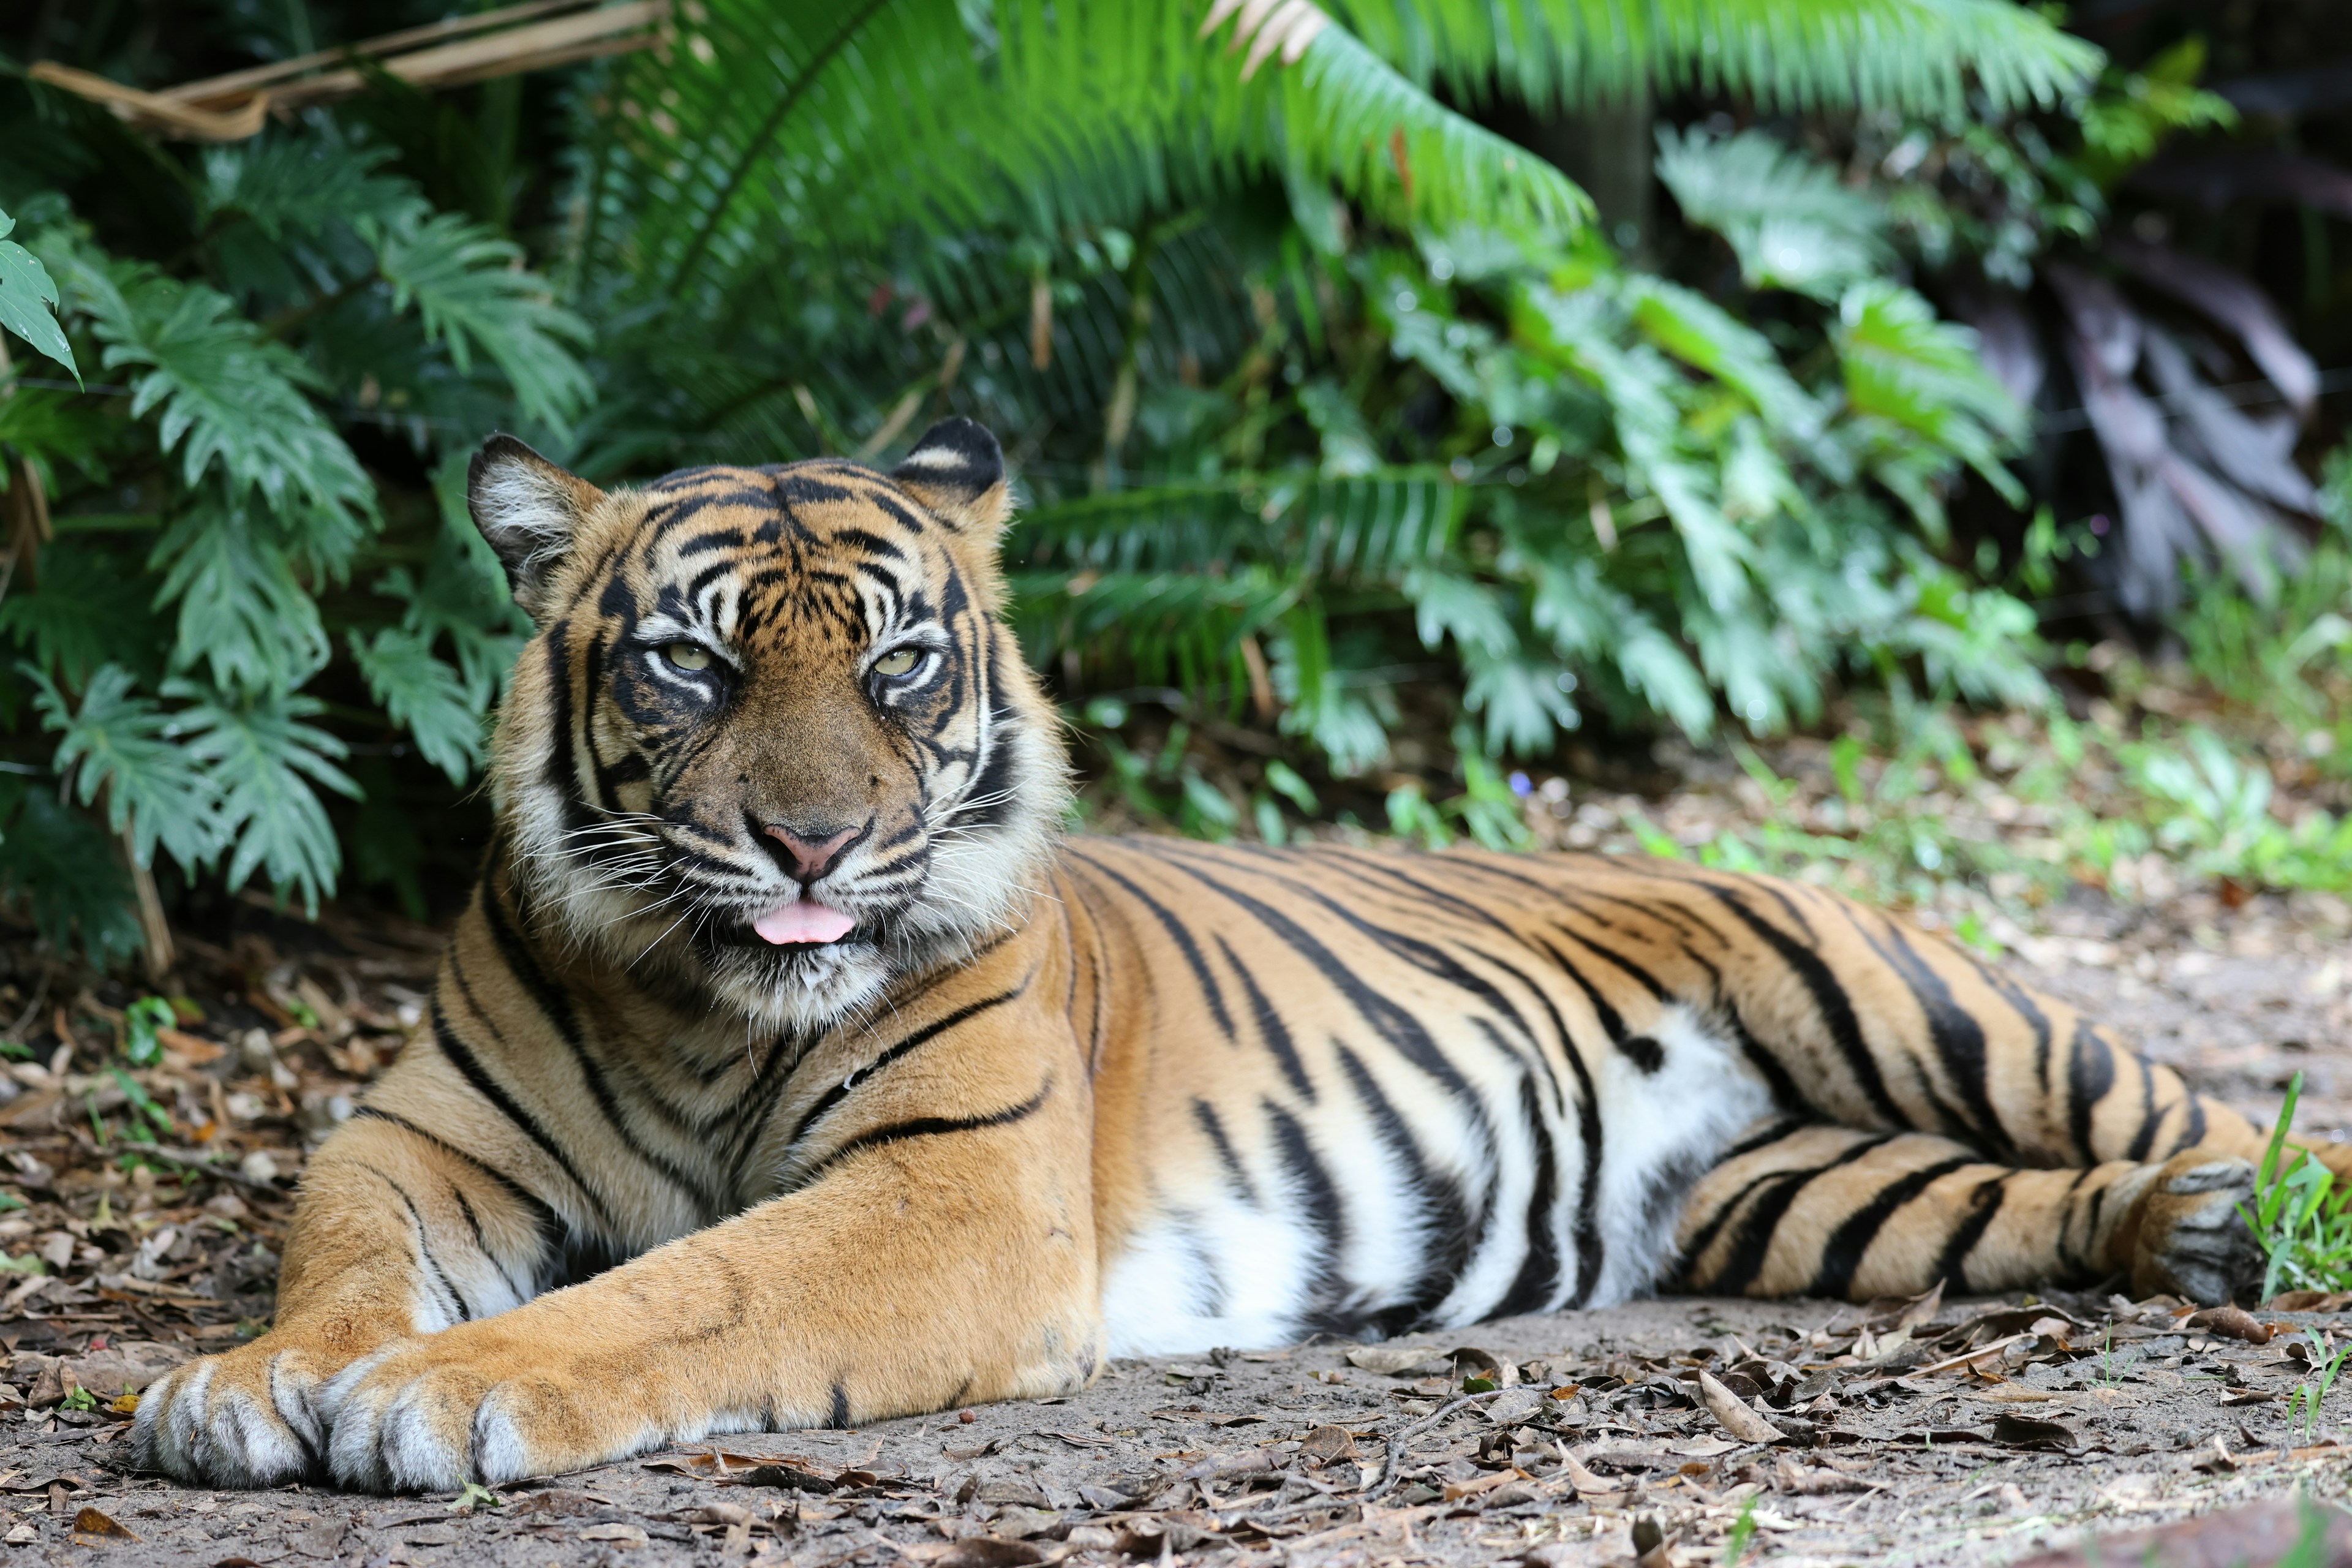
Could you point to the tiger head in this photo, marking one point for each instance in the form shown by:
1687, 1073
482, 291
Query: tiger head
773, 738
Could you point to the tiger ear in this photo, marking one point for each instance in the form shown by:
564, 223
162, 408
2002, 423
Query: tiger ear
531, 511
956, 470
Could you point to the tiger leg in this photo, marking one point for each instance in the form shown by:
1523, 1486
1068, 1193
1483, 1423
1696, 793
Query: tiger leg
1858, 1017
936, 1248
386, 1242
1810, 1210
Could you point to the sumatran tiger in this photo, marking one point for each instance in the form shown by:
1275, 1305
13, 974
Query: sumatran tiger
789, 1067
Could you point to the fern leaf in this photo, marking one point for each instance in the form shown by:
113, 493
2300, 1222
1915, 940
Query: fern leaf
1917, 56
469, 292
242, 610
1785, 215
267, 765
125, 745
55, 859
1903, 366
224, 396
295, 187
424, 696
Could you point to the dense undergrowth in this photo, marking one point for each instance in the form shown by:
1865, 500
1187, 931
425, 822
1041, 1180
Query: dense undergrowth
1374, 481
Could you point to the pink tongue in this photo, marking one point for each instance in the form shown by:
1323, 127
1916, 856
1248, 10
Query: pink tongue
806, 920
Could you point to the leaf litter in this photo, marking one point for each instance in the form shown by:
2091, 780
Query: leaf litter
140, 1228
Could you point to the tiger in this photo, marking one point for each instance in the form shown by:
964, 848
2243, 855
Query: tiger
793, 1064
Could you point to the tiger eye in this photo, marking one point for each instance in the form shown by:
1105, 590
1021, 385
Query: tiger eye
688, 656
899, 661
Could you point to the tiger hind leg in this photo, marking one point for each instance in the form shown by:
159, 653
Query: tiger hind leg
1815, 1210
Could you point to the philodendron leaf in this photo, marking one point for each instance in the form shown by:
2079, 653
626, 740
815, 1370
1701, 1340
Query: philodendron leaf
28, 300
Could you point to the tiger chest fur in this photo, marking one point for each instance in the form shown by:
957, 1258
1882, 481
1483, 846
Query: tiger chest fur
789, 1066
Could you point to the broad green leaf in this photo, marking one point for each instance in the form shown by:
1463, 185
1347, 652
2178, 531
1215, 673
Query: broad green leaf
243, 612
424, 696
267, 765
28, 299
125, 745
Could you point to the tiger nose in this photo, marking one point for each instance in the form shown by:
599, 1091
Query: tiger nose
812, 851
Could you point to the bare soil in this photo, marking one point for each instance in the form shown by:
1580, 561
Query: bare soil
1983, 1431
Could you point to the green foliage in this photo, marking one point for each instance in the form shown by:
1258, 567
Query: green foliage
1339, 428
28, 299
139, 1022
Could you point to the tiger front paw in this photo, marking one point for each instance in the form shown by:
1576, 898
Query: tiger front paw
247, 1417
474, 1403
2192, 1241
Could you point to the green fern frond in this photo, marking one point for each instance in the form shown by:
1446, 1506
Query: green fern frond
1788, 218
243, 611
28, 299
1373, 525
266, 764
424, 696
470, 292
126, 746
1912, 56
224, 396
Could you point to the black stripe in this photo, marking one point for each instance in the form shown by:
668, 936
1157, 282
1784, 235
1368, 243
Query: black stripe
424, 1244
2090, 1074
840, 1091
1953, 1031
1539, 1270
838, 1420
1830, 999
1984, 1203
1182, 938
1270, 1026
488, 1088
1206, 1115
1774, 1131
1449, 1231
924, 1127
523, 965
1754, 1242
1394, 1023
1328, 1217
1843, 1254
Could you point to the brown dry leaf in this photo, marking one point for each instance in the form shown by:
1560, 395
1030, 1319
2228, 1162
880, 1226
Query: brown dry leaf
1500, 1372
1395, 1361
1456, 1491
988, 1552
1329, 1445
620, 1535
98, 1528
2235, 1323
1735, 1417
2310, 1301
1889, 1314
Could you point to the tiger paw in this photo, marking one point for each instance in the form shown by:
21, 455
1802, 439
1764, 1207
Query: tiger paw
2192, 1241
248, 1417
474, 1403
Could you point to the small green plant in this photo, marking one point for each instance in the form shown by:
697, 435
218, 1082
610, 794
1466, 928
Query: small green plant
1743, 1529
2305, 1400
474, 1498
82, 1399
2301, 1218
140, 1021
2310, 1548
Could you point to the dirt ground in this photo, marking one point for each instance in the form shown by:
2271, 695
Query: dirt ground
1984, 1431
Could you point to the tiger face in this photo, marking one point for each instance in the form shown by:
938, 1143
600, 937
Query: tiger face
771, 739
